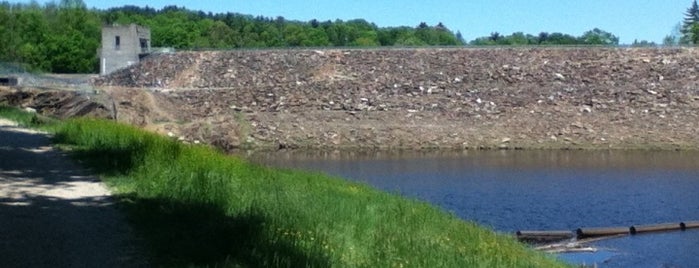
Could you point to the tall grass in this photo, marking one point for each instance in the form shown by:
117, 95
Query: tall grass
25, 119
198, 207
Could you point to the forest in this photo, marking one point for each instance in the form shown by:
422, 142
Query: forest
64, 36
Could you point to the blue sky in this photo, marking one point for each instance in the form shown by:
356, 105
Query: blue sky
629, 19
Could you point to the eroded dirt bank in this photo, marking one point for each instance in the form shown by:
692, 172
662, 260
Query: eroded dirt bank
416, 98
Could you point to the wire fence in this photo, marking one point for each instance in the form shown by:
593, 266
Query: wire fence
528, 46
20, 76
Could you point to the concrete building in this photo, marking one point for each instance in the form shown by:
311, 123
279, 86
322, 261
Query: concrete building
122, 46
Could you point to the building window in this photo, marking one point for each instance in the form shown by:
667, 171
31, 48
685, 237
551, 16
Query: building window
144, 45
117, 42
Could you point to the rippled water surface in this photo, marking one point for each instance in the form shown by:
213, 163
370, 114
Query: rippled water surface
543, 190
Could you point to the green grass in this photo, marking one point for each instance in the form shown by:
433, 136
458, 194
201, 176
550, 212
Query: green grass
197, 207
26, 119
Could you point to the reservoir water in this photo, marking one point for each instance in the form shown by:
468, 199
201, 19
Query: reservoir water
542, 190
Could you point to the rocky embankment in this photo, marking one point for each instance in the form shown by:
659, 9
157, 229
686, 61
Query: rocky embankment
418, 98
57, 103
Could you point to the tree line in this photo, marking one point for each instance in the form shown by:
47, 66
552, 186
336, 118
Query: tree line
593, 37
64, 36
54, 37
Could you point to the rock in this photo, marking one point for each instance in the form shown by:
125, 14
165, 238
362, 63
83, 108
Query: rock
500, 91
577, 125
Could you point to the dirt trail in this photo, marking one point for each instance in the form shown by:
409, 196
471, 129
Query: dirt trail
52, 213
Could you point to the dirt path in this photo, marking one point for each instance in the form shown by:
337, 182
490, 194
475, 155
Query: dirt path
52, 214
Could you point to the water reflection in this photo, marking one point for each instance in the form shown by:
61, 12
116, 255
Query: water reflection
538, 190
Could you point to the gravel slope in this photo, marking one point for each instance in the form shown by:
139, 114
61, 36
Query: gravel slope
54, 214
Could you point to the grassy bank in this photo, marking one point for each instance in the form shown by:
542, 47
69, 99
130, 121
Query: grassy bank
26, 119
197, 207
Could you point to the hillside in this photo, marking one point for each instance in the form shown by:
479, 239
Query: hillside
418, 98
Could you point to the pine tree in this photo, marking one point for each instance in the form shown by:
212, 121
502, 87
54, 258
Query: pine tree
690, 18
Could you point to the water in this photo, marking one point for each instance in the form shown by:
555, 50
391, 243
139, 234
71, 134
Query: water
543, 190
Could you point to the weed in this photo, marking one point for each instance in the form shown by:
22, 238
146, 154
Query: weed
26, 119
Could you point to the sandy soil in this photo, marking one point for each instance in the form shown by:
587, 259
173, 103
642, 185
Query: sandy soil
53, 213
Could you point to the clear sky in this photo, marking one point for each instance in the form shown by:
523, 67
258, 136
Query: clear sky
629, 19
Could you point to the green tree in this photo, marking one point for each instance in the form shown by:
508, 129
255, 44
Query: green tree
694, 33
220, 35
64, 36
691, 17
271, 36
367, 38
32, 30
643, 43
294, 35
560, 39
518, 38
316, 37
71, 46
599, 37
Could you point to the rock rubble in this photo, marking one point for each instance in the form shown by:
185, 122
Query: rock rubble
426, 98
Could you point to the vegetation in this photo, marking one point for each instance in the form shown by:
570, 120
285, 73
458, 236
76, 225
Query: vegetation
25, 119
55, 37
197, 207
690, 25
592, 37
64, 37
229, 212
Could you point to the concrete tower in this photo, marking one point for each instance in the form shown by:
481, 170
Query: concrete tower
123, 46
